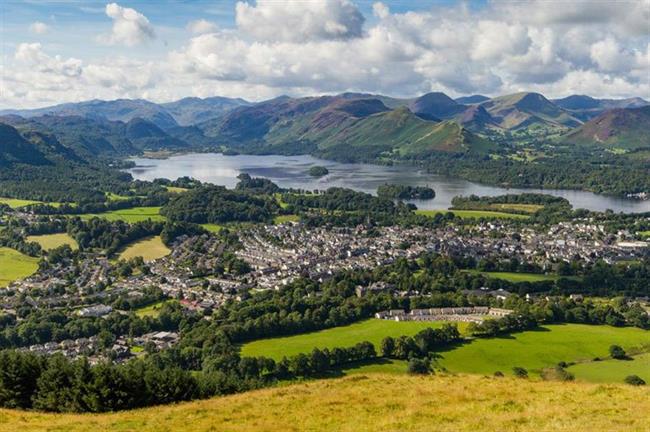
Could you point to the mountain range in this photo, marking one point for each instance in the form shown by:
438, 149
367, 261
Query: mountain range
349, 126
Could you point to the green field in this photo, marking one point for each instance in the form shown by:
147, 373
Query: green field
535, 350
285, 218
132, 215
213, 228
110, 196
14, 265
613, 370
644, 233
53, 241
174, 189
16, 203
516, 277
152, 310
149, 249
474, 214
377, 402
372, 330
526, 208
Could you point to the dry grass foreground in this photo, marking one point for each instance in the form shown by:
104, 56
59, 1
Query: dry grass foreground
377, 402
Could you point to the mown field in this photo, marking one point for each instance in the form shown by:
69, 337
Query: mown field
131, 215
516, 277
285, 218
14, 265
372, 330
152, 310
474, 214
53, 241
149, 249
526, 208
379, 402
16, 203
535, 350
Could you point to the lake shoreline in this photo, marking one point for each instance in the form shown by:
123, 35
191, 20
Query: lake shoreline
292, 172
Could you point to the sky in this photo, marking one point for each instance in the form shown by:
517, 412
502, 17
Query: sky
56, 51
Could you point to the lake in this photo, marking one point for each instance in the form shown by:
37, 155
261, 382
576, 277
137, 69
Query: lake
292, 172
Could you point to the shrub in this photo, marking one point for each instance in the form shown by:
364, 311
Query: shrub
498, 374
520, 372
634, 380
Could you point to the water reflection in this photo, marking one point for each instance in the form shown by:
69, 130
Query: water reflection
291, 171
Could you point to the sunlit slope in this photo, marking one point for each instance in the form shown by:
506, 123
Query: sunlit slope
380, 402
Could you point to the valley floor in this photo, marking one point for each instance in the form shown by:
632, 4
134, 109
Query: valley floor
382, 402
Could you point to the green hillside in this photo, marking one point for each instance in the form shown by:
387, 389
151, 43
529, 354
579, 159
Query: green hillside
342, 128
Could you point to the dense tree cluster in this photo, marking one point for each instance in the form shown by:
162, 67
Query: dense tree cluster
216, 204
404, 192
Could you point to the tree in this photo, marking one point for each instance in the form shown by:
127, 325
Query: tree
388, 347
418, 366
616, 352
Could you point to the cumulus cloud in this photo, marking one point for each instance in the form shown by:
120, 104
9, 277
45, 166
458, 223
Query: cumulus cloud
315, 47
130, 27
201, 26
38, 27
296, 21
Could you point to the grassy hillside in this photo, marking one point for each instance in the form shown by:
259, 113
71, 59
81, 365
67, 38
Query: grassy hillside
14, 265
377, 402
619, 128
372, 330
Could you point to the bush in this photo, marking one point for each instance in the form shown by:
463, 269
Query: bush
617, 352
634, 380
498, 374
520, 372
419, 366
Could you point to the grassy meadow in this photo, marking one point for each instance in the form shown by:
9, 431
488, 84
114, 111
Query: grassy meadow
535, 350
611, 370
517, 277
474, 214
372, 330
149, 249
285, 218
15, 265
17, 203
53, 241
152, 310
379, 402
131, 215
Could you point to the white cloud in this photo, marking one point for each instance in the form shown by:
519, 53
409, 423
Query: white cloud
201, 26
130, 27
38, 27
305, 47
297, 21
610, 56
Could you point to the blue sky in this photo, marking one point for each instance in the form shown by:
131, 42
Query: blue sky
68, 50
